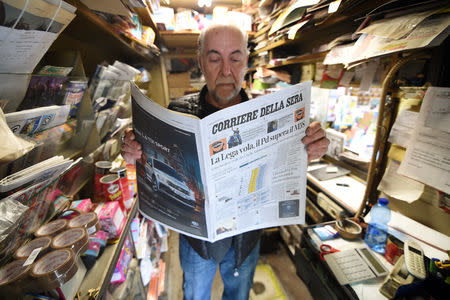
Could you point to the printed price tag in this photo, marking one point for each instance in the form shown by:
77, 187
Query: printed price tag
32, 256
91, 230
333, 6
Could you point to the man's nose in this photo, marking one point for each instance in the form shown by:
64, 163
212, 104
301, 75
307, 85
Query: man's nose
226, 68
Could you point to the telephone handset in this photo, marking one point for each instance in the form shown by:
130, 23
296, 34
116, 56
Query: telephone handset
414, 259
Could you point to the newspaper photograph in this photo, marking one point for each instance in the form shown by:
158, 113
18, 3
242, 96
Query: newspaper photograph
239, 169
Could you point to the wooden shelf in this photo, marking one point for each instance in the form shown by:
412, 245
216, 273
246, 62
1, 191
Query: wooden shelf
324, 31
87, 26
180, 39
306, 58
263, 30
146, 18
272, 46
99, 276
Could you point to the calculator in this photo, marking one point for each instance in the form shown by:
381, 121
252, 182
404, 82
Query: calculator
355, 265
414, 259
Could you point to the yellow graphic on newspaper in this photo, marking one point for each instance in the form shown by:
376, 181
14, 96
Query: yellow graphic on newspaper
252, 185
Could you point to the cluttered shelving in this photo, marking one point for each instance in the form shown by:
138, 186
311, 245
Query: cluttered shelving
92, 113
306, 58
94, 33
97, 280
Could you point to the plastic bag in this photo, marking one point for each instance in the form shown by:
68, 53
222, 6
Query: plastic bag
11, 146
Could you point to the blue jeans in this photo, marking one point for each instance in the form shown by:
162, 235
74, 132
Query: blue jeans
199, 274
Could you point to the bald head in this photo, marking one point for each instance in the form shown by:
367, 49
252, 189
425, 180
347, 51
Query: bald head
218, 27
223, 58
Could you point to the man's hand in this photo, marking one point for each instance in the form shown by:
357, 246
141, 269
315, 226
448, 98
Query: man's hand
315, 141
131, 150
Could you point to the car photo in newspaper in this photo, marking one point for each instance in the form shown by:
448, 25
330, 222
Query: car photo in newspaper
239, 169
169, 181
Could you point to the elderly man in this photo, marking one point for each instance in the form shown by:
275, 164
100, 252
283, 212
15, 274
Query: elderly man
222, 58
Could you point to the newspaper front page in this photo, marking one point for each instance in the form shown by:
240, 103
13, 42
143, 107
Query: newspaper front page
239, 169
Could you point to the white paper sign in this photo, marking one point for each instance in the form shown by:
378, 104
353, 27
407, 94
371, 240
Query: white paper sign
403, 128
427, 157
398, 186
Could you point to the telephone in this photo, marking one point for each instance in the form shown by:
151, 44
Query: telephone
414, 259
398, 276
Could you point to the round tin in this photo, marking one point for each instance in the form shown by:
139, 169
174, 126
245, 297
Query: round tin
51, 228
89, 221
112, 189
122, 172
54, 269
25, 250
14, 279
74, 238
102, 168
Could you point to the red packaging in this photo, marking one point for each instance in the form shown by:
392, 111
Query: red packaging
393, 250
112, 189
111, 218
131, 176
122, 172
101, 169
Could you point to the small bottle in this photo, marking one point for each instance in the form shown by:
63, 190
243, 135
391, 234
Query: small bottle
376, 233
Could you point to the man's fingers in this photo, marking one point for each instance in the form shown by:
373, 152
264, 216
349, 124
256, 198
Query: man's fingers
313, 128
131, 149
318, 148
130, 157
317, 153
314, 135
129, 136
319, 144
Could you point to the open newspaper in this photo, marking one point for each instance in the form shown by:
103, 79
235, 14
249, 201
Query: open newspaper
239, 169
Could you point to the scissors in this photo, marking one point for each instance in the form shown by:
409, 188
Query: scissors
326, 249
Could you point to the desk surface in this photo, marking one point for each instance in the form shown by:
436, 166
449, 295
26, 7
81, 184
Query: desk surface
368, 289
350, 197
432, 242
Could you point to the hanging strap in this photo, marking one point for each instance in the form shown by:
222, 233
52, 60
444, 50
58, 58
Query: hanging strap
21, 14
54, 16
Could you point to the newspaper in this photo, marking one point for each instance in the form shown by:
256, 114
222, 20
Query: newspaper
239, 169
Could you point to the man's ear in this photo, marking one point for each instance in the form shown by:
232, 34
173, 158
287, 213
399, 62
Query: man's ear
200, 64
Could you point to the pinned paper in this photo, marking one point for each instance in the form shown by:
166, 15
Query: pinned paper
368, 76
403, 128
347, 78
426, 158
399, 186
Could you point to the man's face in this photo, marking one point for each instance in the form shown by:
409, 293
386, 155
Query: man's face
224, 63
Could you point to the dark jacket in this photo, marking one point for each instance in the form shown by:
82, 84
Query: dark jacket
244, 243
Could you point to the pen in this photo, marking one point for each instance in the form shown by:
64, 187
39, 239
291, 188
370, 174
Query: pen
342, 184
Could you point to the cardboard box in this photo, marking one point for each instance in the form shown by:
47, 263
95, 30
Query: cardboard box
179, 80
177, 92
111, 218
121, 270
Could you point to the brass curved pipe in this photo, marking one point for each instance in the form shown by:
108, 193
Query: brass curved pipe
381, 130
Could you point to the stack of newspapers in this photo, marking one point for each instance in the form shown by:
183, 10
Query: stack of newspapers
35, 174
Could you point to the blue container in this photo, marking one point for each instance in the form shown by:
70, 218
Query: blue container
376, 234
